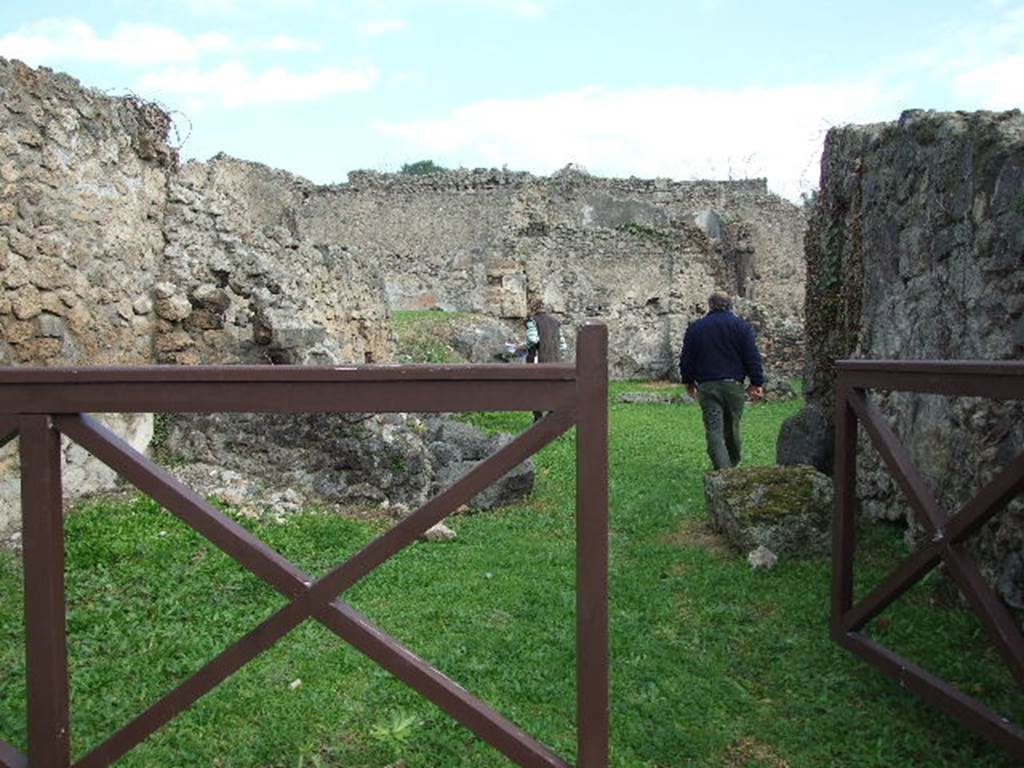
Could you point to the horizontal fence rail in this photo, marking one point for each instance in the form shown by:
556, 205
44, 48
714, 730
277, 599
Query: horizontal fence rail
39, 405
947, 532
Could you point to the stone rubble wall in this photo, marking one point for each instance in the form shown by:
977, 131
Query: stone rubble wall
110, 253
240, 284
81, 211
113, 253
915, 250
646, 315
82, 192
641, 255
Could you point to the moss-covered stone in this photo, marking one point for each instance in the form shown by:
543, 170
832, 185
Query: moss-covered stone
787, 509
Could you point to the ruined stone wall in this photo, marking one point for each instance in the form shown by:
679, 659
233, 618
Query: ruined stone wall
647, 314
638, 254
112, 254
81, 210
241, 284
82, 191
916, 251
432, 243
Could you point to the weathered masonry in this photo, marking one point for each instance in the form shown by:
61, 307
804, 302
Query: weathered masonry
112, 252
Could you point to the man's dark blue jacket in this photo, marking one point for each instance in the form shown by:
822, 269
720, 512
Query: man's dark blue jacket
720, 346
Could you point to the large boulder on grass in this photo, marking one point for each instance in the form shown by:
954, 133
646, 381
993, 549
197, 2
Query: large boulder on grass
461, 447
785, 509
807, 437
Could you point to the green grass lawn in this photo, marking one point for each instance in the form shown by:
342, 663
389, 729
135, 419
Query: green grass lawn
713, 664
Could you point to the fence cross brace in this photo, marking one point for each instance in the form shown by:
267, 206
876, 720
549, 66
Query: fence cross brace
40, 405
312, 599
948, 534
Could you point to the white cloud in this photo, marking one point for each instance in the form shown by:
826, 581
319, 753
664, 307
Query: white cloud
679, 132
72, 39
981, 62
527, 9
287, 44
68, 39
995, 85
988, 72
231, 7
377, 27
233, 85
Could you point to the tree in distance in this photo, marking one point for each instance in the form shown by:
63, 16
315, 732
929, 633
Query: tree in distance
422, 168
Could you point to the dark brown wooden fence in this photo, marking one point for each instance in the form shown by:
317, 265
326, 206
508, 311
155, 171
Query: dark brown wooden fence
38, 405
948, 532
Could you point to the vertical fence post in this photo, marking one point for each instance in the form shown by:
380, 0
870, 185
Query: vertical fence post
843, 521
592, 546
43, 551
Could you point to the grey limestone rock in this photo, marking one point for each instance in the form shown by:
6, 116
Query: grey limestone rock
513, 486
787, 510
807, 437
762, 558
644, 398
396, 460
439, 532
482, 341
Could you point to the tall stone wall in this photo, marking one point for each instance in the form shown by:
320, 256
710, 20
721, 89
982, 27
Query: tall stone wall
112, 254
432, 242
240, 283
639, 254
82, 192
916, 251
81, 214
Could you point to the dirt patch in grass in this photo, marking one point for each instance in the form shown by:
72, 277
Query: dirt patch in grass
764, 610
747, 752
694, 533
657, 385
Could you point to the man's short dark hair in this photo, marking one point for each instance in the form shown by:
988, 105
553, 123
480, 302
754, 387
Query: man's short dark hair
719, 300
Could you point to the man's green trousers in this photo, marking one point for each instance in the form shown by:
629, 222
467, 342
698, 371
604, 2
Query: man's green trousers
722, 403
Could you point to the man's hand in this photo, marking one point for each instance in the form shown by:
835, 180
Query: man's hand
691, 390
755, 393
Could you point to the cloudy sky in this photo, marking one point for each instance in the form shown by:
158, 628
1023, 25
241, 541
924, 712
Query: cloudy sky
683, 89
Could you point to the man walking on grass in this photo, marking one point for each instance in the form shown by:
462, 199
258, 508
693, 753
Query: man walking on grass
719, 352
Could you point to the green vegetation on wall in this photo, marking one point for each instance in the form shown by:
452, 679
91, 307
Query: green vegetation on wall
423, 336
644, 231
422, 168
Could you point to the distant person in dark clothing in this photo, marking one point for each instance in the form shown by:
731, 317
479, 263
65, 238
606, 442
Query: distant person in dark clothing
719, 353
545, 342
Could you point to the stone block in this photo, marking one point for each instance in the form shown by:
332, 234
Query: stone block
513, 296
439, 532
174, 307
50, 326
79, 317
38, 351
787, 510
26, 303
174, 341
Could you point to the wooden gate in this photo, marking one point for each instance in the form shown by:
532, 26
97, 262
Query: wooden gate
38, 405
948, 533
